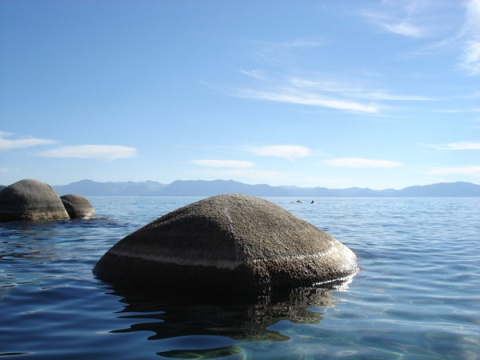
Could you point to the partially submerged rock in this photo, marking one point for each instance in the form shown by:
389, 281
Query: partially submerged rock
226, 244
77, 206
31, 200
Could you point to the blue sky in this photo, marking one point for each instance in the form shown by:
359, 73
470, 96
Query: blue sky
378, 94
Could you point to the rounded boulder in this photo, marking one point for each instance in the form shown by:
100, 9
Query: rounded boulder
77, 206
31, 200
226, 244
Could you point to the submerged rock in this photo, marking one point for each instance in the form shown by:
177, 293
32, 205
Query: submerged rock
226, 244
31, 200
77, 206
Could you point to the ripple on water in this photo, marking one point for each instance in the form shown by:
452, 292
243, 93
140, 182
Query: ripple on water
416, 296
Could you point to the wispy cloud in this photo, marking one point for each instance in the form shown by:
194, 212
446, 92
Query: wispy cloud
458, 111
461, 170
363, 163
8, 144
99, 152
460, 145
285, 53
320, 90
272, 48
421, 19
404, 28
287, 96
240, 164
351, 90
257, 74
399, 17
289, 152
470, 58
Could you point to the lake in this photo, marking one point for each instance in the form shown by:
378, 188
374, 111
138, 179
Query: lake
417, 295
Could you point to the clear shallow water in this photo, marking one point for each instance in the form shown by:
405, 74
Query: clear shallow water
417, 295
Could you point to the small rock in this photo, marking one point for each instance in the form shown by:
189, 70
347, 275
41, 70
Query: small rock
31, 200
77, 206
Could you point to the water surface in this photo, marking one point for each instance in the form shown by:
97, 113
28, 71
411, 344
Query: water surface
417, 295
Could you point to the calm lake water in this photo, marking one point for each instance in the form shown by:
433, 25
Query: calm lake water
417, 295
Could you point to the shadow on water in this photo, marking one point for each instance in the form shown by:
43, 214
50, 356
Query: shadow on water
194, 326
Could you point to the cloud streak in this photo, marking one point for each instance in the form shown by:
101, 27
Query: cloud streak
363, 163
347, 89
404, 28
419, 19
99, 152
400, 18
290, 152
470, 58
460, 145
7, 144
309, 100
237, 164
461, 170
324, 93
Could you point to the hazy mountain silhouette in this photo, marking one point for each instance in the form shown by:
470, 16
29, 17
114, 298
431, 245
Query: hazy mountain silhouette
215, 187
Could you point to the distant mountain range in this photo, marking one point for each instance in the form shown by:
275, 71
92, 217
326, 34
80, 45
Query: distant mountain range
216, 187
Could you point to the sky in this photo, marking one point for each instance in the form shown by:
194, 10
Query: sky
337, 94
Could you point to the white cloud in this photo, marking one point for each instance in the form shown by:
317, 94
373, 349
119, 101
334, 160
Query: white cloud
460, 145
404, 28
470, 61
4, 170
458, 111
289, 152
100, 152
470, 32
400, 17
224, 163
321, 91
349, 89
277, 48
310, 99
363, 163
255, 74
462, 170
7, 144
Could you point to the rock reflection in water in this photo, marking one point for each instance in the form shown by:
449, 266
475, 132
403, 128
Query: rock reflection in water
237, 320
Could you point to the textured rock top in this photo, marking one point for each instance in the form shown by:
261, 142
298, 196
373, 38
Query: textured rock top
77, 206
30, 200
236, 228
260, 242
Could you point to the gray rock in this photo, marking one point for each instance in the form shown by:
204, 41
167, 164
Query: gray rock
226, 243
31, 200
77, 206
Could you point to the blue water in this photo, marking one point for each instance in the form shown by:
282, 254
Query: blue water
417, 295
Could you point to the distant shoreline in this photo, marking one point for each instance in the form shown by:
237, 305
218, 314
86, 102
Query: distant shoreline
215, 187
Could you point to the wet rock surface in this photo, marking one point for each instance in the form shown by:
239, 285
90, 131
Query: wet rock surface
77, 206
31, 200
226, 244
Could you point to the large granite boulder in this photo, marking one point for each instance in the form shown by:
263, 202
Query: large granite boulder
77, 206
31, 200
226, 244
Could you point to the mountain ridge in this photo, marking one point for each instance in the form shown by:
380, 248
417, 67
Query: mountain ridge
216, 187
